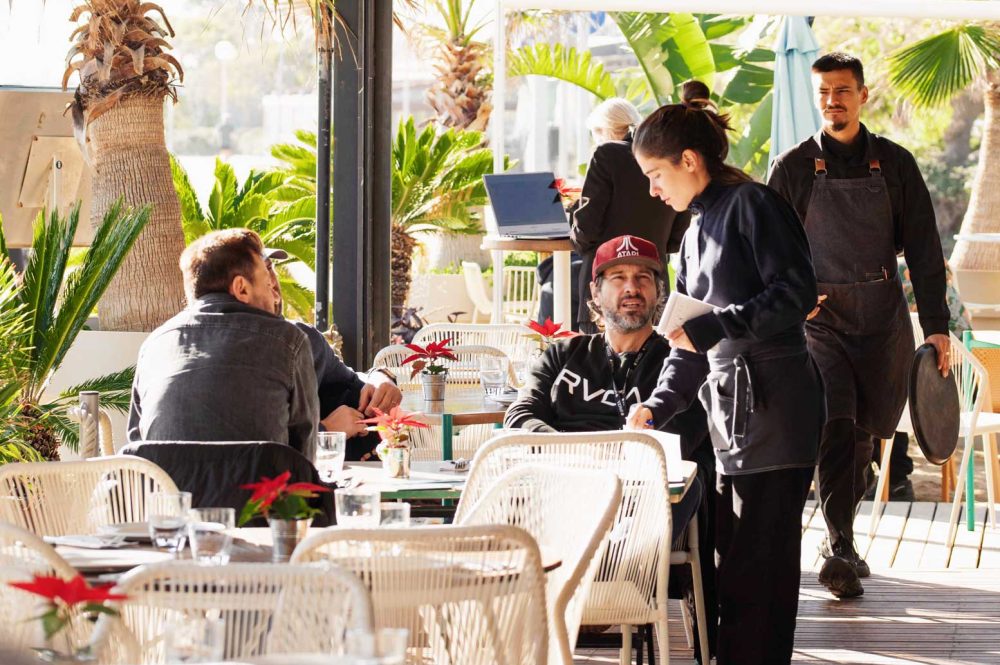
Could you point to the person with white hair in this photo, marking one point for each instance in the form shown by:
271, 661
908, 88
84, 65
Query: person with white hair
615, 199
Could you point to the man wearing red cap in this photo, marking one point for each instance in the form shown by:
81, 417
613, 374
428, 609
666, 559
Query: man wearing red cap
589, 382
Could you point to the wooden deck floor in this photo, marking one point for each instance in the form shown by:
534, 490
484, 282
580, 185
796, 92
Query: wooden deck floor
924, 603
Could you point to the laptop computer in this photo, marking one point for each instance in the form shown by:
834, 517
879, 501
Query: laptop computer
527, 205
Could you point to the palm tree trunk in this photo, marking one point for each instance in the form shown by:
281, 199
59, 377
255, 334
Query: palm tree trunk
402, 262
130, 160
983, 215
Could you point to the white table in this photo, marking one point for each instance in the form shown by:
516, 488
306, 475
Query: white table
562, 301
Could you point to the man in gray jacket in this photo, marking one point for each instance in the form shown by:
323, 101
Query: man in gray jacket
226, 368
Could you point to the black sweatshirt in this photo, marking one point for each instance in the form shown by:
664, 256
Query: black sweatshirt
916, 231
570, 389
746, 253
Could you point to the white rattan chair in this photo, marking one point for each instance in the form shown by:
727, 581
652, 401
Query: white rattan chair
513, 339
521, 292
22, 555
479, 294
630, 586
265, 608
463, 375
59, 498
569, 512
470, 595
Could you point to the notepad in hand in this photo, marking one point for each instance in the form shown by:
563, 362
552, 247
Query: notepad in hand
679, 310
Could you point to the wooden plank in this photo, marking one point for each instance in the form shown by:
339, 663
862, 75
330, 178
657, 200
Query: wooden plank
812, 537
914, 538
935, 554
882, 550
965, 554
989, 557
861, 521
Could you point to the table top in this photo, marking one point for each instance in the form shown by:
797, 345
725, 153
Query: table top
528, 244
465, 405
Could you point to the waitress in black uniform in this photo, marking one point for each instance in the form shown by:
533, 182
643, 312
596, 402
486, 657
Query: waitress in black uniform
746, 254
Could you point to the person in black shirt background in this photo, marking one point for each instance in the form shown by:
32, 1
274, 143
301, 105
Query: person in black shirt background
861, 200
745, 254
615, 199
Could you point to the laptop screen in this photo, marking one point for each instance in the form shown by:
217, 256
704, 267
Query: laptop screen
527, 204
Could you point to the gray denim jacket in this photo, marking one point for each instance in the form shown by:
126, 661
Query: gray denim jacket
224, 371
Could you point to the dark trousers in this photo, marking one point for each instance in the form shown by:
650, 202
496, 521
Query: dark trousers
759, 538
845, 454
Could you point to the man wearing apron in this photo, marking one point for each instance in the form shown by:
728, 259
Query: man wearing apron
862, 200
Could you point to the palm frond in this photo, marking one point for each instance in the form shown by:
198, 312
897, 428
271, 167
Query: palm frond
565, 64
934, 69
192, 217
115, 390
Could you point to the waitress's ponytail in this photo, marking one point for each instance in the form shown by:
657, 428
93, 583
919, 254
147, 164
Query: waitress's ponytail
694, 124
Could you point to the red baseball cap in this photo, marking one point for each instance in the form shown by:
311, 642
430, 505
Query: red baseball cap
627, 249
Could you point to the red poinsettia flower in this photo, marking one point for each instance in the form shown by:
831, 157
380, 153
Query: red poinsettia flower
393, 424
428, 357
277, 495
69, 592
550, 330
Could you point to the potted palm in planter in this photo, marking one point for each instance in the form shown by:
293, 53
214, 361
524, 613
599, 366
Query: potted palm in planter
284, 506
394, 430
427, 363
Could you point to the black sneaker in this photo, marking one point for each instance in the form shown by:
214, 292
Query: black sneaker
849, 555
840, 578
902, 491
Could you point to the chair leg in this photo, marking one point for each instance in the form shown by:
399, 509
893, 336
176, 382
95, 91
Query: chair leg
881, 489
959, 487
947, 479
699, 590
990, 464
625, 657
663, 641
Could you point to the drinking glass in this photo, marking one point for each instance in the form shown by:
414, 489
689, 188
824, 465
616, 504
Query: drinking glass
331, 447
168, 512
195, 640
386, 646
492, 375
210, 534
394, 514
357, 507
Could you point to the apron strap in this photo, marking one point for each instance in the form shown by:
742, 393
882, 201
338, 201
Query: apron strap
875, 167
820, 165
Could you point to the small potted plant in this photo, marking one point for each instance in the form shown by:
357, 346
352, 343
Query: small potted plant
548, 332
427, 362
394, 430
285, 507
67, 602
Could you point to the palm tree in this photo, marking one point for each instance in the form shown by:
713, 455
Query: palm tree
669, 49
13, 333
279, 205
54, 305
125, 73
931, 72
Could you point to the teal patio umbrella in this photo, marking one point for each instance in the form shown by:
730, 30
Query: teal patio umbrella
794, 116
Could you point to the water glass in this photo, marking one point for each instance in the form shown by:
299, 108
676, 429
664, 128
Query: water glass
394, 514
168, 513
357, 507
331, 448
195, 640
386, 646
493, 375
210, 534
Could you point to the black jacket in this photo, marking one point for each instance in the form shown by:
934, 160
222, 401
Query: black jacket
615, 201
570, 389
916, 231
746, 253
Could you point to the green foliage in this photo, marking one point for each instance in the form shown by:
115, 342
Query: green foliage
437, 179
279, 205
670, 49
42, 318
934, 69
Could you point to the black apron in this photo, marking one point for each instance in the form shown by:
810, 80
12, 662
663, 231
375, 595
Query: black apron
861, 339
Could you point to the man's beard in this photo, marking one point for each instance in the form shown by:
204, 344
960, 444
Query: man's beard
626, 321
